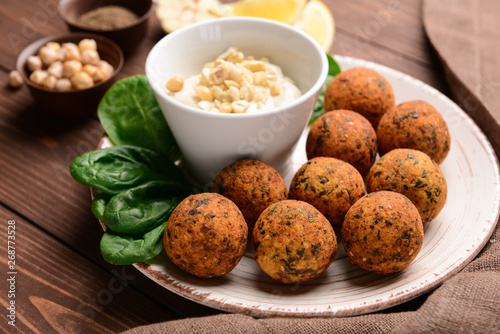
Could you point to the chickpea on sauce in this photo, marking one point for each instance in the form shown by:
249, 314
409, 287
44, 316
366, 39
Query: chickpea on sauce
68, 66
234, 83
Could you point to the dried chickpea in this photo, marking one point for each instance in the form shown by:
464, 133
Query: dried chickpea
225, 97
246, 79
275, 89
71, 67
34, 63
175, 83
63, 85
39, 76
206, 77
94, 72
48, 55
15, 79
90, 69
106, 68
50, 82
87, 44
247, 93
236, 57
101, 75
54, 45
56, 69
255, 66
234, 93
203, 93
225, 107
220, 73
228, 53
217, 92
240, 106
70, 51
235, 74
89, 57
231, 83
81, 80
206, 105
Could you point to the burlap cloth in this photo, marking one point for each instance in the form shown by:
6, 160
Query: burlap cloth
466, 35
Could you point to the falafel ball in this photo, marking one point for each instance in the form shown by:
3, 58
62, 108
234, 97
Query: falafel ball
382, 232
362, 90
416, 125
206, 235
345, 135
413, 174
252, 185
293, 242
330, 185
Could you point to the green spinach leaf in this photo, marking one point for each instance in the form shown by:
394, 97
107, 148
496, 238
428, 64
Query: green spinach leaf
333, 70
125, 249
140, 209
333, 66
99, 205
130, 115
118, 168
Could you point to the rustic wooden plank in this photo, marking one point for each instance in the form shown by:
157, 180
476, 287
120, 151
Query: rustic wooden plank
23, 22
55, 289
394, 25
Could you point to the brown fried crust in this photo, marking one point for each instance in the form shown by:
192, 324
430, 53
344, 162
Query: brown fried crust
293, 242
417, 125
382, 232
413, 174
330, 185
252, 185
345, 135
206, 235
362, 90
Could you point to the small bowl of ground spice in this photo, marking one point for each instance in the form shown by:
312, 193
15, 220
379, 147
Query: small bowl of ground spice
123, 21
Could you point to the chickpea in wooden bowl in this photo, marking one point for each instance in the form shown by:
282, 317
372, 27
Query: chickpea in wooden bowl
67, 75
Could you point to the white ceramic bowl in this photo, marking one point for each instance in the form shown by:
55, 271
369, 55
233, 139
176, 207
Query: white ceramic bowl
210, 141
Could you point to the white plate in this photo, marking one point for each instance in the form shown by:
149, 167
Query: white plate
451, 240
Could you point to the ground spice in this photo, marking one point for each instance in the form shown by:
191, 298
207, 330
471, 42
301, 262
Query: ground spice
107, 18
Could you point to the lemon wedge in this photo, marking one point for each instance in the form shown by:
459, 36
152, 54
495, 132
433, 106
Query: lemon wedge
317, 21
285, 11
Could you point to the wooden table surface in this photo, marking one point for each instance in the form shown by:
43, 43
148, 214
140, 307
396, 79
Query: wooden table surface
62, 283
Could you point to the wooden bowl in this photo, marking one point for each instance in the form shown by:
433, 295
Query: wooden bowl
74, 103
128, 38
